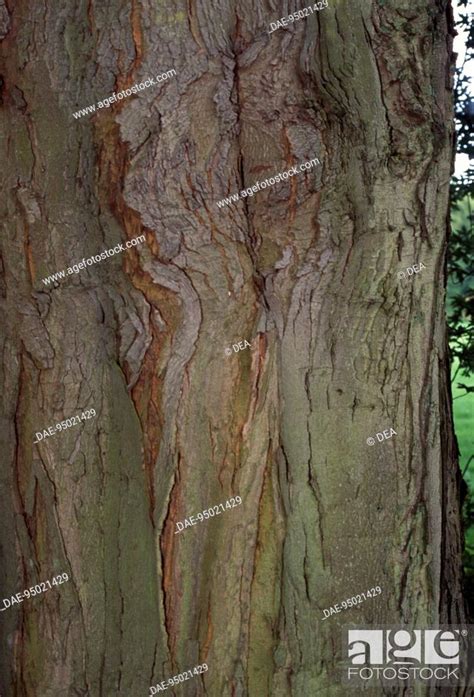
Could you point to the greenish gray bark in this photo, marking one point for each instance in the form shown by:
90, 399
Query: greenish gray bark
305, 270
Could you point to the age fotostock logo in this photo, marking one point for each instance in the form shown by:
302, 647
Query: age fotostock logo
403, 656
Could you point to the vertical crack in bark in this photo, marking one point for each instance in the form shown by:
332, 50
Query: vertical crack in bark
313, 480
21, 507
167, 544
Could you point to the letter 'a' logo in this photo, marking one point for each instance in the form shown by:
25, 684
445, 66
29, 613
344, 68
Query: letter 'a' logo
365, 646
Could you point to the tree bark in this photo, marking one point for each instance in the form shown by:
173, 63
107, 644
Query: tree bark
306, 271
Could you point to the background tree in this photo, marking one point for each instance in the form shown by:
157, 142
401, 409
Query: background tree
307, 270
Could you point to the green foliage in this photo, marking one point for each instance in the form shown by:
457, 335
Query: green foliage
464, 106
461, 287
460, 300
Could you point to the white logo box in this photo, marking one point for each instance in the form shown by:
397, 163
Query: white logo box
401, 655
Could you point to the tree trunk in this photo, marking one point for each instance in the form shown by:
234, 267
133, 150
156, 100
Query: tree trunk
307, 271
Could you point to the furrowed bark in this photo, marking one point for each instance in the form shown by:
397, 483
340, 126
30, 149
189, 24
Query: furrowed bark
305, 270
